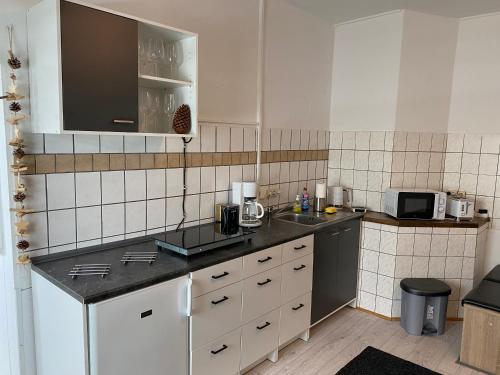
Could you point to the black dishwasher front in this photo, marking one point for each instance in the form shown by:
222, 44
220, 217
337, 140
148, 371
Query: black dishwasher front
335, 276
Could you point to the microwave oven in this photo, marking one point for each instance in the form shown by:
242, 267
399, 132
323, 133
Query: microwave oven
415, 204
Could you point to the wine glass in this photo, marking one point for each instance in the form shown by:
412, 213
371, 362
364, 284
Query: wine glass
142, 55
172, 55
179, 56
150, 118
157, 112
169, 107
154, 51
142, 111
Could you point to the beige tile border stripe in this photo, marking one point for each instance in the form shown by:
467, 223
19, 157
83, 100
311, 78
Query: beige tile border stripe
59, 163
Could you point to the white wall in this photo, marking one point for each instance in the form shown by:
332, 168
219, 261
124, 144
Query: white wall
366, 67
297, 73
476, 94
228, 42
427, 58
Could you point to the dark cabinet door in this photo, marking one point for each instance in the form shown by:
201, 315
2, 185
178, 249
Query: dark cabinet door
325, 273
99, 70
348, 262
335, 272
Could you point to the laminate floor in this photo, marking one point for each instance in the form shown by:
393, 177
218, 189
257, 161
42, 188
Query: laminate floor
340, 338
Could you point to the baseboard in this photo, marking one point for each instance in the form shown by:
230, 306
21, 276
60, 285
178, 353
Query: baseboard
450, 319
377, 314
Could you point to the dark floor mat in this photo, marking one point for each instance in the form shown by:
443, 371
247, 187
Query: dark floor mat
372, 361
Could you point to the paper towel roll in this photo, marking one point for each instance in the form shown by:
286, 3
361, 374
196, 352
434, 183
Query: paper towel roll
320, 190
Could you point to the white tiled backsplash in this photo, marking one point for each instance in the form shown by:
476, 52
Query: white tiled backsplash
289, 178
390, 254
369, 162
88, 208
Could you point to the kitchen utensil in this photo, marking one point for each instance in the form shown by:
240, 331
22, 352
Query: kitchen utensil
336, 194
245, 195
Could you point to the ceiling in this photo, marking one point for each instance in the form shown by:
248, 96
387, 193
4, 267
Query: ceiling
337, 11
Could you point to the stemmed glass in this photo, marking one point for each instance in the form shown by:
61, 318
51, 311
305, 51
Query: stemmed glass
142, 55
154, 51
172, 58
169, 107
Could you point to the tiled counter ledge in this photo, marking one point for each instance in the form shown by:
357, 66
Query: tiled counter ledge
392, 250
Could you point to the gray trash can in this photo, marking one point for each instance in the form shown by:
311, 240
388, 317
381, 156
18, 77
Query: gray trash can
423, 306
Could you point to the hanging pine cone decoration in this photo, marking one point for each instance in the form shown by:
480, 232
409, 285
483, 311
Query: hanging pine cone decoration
15, 107
13, 61
19, 197
18, 153
182, 120
23, 245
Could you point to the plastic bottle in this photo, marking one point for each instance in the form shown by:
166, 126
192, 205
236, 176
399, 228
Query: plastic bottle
297, 206
305, 200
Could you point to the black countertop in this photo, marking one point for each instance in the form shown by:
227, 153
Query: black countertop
168, 265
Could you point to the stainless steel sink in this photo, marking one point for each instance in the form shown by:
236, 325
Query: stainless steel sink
301, 219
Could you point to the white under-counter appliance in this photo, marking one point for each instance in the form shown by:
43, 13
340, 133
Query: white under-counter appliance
460, 207
415, 204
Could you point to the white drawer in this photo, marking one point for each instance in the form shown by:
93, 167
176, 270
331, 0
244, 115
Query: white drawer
296, 278
298, 248
261, 293
259, 338
295, 318
214, 314
220, 357
215, 277
261, 261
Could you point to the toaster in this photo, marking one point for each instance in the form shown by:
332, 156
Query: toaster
460, 208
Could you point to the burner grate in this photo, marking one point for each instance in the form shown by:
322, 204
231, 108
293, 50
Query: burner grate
89, 270
139, 256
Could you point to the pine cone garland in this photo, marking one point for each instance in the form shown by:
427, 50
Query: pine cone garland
23, 245
19, 197
18, 153
15, 107
13, 61
182, 120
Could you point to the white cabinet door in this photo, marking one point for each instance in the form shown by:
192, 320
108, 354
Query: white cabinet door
220, 357
143, 332
297, 278
259, 338
261, 294
214, 314
295, 318
212, 278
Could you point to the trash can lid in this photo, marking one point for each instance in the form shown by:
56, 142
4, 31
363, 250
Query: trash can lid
494, 274
425, 287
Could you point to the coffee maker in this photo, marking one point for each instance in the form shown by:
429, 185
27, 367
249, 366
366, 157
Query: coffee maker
245, 195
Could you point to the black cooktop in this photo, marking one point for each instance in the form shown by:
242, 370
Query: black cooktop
195, 240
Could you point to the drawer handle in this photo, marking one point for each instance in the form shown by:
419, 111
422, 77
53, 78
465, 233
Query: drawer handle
120, 121
220, 301
264, 282
214, 352
265, 260
347, 229
219, 276
299, 268
298, 307
145, 314
335, 234
300, 247
267, 324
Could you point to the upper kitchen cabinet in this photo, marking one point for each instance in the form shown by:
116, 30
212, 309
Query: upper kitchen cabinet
95, 70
